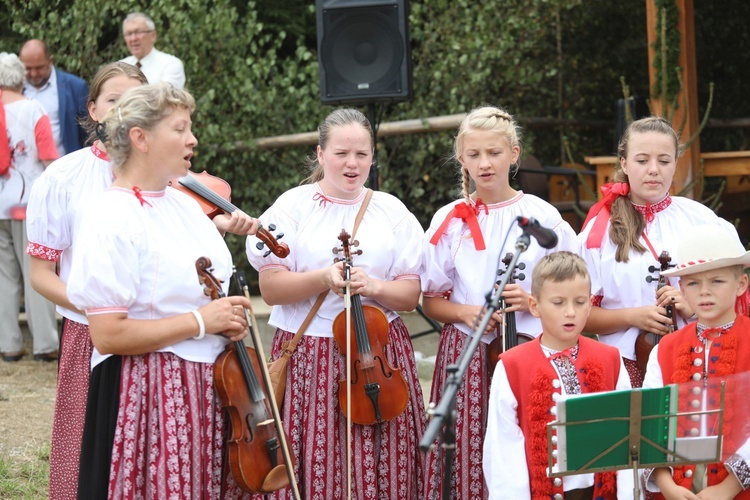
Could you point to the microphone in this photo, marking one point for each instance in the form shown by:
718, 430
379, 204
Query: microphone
544, 236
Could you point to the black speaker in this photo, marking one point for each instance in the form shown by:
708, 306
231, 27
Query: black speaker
363, 50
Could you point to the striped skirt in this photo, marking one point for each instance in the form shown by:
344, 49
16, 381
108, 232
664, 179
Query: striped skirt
467, 478
386, 460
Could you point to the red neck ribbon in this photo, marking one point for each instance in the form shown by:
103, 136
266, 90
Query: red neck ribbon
468, 214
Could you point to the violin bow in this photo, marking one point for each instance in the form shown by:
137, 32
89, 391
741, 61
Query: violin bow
348, 308
250, 318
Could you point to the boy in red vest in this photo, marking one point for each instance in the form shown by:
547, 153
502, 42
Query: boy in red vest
710, 265
530, 378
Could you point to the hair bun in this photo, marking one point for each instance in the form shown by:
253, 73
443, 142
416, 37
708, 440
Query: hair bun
101, 132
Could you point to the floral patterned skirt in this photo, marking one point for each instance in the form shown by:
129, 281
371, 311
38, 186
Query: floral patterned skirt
154, 429
467, 478
386, 460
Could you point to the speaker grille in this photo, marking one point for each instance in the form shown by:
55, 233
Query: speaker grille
362, 54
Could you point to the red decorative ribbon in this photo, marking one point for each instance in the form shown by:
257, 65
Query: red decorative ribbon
570, 353
468, 214
602, 210
139, 194
321, 198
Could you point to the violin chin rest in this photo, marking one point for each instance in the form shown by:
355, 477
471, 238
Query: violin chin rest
276, 479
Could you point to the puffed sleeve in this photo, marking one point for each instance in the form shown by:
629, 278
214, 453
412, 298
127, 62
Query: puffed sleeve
438, 267
104, 276
46, 226
566, 238
503, 462
407, 261
592, 256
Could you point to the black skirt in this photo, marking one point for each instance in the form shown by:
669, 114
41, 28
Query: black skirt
99, 429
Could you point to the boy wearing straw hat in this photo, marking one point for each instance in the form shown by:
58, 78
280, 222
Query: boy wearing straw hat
710, 265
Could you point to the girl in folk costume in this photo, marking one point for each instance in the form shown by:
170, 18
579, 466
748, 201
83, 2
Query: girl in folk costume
462, 250
530, 378
154, 426
55, 206
626, 232
386, 461
713, 349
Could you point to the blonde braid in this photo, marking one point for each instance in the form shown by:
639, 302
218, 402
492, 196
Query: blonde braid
466, 185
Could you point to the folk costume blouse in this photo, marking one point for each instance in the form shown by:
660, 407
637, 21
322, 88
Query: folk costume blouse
56, 200
139, 258
619, 285
389, 236
456, 268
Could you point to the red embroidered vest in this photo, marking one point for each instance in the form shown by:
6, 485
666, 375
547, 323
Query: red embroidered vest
534, 383
681, 359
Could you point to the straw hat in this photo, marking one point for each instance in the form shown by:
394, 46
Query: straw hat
708, 247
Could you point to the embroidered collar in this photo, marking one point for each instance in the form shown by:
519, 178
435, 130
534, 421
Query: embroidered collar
98, 152
704, 332
649, 211
323, 200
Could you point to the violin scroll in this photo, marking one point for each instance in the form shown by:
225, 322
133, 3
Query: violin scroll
266, 238
212, 285
646, 341
345, 248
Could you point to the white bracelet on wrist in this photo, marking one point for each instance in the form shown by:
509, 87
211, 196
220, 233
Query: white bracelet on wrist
201, 325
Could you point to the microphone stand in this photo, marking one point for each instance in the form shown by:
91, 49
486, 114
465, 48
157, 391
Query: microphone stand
443, 416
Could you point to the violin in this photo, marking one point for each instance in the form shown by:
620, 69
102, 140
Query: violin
646, 341
213, 194
509, 336
256, 457
378, 391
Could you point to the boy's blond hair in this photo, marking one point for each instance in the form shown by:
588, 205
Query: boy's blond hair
557, 267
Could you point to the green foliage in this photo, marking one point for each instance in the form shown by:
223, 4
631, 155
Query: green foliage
253, 69
667, 51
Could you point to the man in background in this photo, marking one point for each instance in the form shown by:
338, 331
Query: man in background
139, 32
63, 95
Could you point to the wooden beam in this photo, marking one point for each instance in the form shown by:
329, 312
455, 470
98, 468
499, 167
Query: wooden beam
687, 111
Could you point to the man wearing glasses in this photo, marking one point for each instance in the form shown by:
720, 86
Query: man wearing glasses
139, 32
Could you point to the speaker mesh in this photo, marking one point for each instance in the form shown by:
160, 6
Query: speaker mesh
363, 52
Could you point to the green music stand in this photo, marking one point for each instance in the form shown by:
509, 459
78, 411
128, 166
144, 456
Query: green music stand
627, 429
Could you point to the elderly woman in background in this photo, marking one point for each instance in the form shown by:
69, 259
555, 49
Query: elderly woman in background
26, 148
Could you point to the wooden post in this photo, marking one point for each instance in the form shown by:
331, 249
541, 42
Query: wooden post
689, 165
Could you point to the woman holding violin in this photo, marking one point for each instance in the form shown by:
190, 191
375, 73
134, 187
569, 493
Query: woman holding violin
462, 252
154, 426
625, 234
55, 205
381, 459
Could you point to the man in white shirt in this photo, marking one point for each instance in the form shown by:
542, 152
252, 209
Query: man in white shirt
139, 32
63, 95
